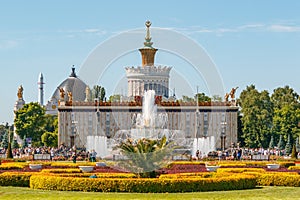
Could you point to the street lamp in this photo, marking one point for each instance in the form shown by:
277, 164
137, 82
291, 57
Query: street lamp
223, 135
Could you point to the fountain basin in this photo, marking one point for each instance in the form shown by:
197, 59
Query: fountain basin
212, 168
100, 164
35, 166
86, 168
273, 166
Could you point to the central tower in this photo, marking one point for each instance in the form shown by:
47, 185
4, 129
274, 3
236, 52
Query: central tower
148, 76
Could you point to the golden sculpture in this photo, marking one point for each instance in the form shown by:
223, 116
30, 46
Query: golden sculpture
70, 96
232, 93
61, 93
226, 97
20, 92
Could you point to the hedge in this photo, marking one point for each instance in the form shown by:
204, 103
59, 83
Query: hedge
294, 168
99, 175
186, 175
58, 171
15, 179
279, 179
141, 185
240, 170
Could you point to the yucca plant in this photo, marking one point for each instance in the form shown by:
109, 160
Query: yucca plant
145, 156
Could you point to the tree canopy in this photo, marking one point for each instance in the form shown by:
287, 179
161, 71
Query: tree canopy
268, 119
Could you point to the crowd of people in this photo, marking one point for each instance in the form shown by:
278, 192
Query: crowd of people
243, 154
56, 153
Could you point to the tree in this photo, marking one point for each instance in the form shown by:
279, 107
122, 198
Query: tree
202, 97
98, 92
29, 121
294, 152
216, 98
4, 142
115, 98
9, 151
286, 112
187, 99
297, 144
284, 96
257, 114
15, 144
271, 144
280, 144
50, 139
288, 146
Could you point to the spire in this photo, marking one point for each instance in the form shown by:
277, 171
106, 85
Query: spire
148, 38
41, 89
148, 52
73, 74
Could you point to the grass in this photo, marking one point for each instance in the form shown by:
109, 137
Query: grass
18, 193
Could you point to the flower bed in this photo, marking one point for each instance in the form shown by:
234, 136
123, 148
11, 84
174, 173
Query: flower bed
141, 184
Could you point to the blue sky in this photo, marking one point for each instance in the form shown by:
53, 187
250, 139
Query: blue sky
250, 42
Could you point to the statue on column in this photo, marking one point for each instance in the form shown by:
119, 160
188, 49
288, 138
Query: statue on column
226, 97
232, 96
20, 92
62, 93
70, 96
232, 93
87, 94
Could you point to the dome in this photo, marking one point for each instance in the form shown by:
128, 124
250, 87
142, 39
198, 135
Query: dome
71, 84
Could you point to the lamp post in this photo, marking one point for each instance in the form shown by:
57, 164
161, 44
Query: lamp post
223, 135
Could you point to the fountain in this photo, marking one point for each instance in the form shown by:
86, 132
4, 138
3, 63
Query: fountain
99, 144
204, 145
151, 125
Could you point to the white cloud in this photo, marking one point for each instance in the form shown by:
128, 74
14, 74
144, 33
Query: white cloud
284, 28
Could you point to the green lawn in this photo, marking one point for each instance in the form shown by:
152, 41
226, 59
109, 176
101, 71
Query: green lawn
17, 193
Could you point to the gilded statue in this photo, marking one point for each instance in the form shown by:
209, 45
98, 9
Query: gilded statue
61, 93
20, 92
232, 92
70, 96
226, 97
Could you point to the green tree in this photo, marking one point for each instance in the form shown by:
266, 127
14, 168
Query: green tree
271, 144
114, 98
257, 114
297, 144
4, 142
202, 97
187, 99
29, 122
294, 152
15, 144
286, 112
50, 139
280, 144
98, 92
288, 146
9, 153
216, 98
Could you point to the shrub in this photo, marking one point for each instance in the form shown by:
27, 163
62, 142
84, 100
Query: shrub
186, 175
12, 165
142, 184
70, 165
294, 168
279, 179
15, 179
240, 170
68, 170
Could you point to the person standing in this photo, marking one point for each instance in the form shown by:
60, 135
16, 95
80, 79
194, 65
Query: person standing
93, 156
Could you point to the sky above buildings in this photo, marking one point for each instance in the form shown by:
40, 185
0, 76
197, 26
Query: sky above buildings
249, 42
